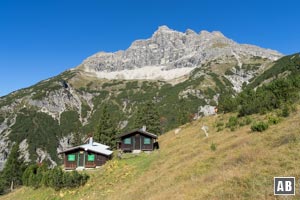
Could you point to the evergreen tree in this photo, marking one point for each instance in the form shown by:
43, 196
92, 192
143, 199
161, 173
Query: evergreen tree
106, 131
2, 184
13, 170
147, 115
183, 114
77, 136
227, 103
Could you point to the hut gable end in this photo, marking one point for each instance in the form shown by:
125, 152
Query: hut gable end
137, 140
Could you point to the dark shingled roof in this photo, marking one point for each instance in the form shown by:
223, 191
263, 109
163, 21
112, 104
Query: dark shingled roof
140, 131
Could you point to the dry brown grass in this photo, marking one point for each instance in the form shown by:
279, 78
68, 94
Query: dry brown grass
242, 166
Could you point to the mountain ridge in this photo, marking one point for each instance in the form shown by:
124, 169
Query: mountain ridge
169, 54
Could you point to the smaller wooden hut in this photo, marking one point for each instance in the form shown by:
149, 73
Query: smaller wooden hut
88, 155
137, 140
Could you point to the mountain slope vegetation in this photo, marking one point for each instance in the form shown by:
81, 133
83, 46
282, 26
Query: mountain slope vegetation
281, 91
241, 165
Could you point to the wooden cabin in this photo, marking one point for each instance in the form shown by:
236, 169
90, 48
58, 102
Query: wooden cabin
90, 155
137, 140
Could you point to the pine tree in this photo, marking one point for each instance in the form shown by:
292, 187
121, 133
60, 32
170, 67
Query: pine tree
13, 170
183, 114
77, 138
106, 131
148, 116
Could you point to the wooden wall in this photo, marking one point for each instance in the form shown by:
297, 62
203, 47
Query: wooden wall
99, 159
137, 137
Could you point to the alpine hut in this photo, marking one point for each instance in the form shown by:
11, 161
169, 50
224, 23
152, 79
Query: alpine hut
137, 140
89, 155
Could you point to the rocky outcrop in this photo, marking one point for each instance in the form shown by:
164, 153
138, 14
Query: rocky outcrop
24, 153
43, 155
57, 102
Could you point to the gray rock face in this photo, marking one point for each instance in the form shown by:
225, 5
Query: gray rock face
57, 102
44, 155
170, 50
23, 149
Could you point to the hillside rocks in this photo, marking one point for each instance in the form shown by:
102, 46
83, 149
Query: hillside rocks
23, 149
169, 54
57, 102
44, 155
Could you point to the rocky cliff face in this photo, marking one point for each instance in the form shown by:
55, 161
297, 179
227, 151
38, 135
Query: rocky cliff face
169, 54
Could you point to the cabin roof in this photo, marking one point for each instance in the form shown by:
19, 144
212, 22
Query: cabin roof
95, 147
139, 131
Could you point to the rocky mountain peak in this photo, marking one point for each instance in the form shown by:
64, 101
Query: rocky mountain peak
169, 54
190, 32
164, 29
217, 34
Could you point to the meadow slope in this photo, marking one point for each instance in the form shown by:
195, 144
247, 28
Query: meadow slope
241, 167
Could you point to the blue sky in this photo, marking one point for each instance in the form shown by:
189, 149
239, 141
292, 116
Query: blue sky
42, 38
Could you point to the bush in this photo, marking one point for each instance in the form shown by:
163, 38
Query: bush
213, 147
227, 103
259, 126
219, 125
273, 120
245, 121
56, 178
232, 123
285, 111
2, 185
37, 176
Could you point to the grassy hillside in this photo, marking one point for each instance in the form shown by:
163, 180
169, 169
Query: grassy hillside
241, 166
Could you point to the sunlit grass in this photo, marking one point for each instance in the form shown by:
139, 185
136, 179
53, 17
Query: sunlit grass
241, 167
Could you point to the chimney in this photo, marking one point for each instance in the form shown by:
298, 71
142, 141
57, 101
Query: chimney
144, 128
91, 141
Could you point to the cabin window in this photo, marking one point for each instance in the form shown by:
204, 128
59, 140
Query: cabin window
127, 141
146, 140
71, 157
91, 157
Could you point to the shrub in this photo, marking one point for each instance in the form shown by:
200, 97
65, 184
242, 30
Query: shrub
213, 147
2, 185
259, 126
227, 103
56, 178
232, 123
285, 111
36, 176
273, 120
247, 120
219, 125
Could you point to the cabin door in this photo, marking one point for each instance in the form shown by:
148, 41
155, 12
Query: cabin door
80, 159
137, 141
